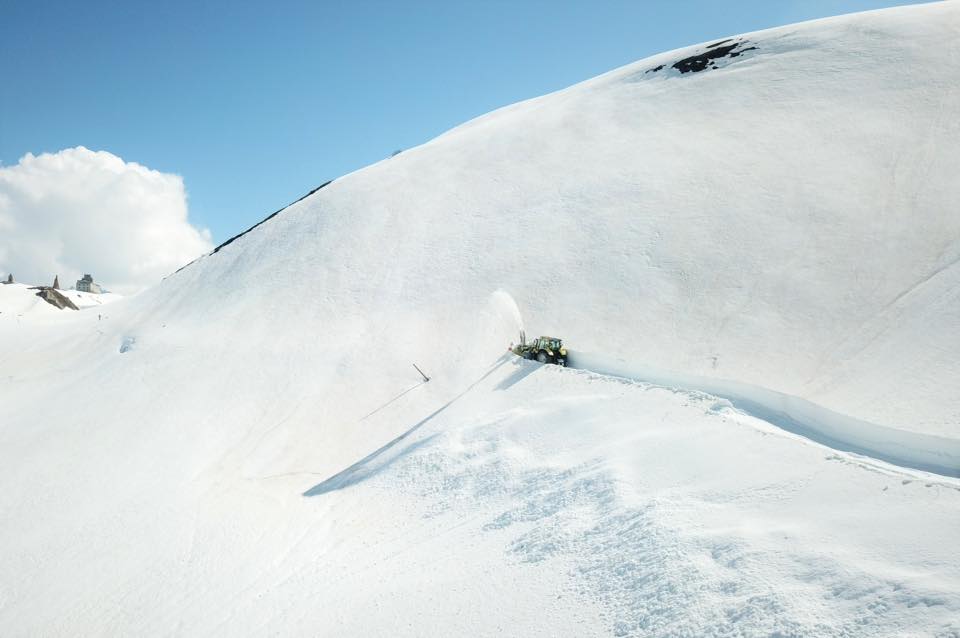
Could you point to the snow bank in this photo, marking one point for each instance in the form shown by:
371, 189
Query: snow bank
903, 447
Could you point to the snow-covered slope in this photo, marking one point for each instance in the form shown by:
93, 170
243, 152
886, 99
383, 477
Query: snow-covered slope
19, 303
219, 461
788, 220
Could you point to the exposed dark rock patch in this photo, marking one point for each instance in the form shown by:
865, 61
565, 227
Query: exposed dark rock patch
54, 298
716, 44
729, 48
697, 63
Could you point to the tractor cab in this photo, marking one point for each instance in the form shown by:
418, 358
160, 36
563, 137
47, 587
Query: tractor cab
550, 344
543, 349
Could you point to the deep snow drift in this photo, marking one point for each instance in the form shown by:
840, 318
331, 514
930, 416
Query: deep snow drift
247, 449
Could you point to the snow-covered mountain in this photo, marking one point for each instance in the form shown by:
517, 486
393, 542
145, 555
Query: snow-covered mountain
752, 247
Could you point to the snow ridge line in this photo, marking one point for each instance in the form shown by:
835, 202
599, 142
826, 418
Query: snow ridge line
264, 220
913, 450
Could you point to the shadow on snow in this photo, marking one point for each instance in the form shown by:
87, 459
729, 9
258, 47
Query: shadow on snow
377, 461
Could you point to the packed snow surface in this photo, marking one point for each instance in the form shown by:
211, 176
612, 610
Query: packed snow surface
751, 246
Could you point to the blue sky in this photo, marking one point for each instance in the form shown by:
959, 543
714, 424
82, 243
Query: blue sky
254, 104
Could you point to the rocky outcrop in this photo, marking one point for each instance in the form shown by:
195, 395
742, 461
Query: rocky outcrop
55, 298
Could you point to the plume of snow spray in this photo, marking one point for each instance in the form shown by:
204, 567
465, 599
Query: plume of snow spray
504, 302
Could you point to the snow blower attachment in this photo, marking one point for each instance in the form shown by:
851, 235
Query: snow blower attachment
543, 349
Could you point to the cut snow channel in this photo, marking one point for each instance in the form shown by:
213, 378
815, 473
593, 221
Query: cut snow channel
915, 450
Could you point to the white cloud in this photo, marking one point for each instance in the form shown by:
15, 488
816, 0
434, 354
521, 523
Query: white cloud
79, 211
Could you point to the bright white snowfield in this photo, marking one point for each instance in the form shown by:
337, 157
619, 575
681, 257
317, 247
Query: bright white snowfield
757, 268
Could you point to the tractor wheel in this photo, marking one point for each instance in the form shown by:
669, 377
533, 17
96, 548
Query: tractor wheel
542, 357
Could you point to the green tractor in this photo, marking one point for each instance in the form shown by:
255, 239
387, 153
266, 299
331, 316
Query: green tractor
542, 349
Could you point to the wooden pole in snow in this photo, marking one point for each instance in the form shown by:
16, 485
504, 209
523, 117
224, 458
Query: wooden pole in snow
425, 377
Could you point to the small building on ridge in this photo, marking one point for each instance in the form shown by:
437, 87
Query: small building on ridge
86, 285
